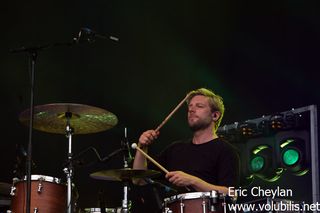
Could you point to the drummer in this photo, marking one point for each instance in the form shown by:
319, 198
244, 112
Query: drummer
204, 162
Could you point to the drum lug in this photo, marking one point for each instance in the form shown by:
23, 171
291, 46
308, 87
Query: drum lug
204, 205
13, 191
35, 210
213, 201
40, 186
13, 188
181, 207
167, 210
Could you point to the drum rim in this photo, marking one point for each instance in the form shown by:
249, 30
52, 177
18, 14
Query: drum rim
193, 195
45, 178
92, 210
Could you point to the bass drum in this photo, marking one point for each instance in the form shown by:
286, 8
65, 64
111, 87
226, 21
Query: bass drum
48, 195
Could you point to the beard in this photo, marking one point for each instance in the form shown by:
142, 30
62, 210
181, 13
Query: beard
199, 124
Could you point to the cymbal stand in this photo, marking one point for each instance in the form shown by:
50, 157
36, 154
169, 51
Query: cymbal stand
69, 169
126, 159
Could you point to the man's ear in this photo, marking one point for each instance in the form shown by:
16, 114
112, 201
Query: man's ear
216, 115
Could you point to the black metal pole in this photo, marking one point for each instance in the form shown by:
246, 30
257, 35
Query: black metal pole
33, 56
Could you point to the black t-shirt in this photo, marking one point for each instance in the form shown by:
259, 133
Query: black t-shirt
215, 162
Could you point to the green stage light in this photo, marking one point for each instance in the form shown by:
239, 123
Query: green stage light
290, 157
261, 163
294, 155
257, 163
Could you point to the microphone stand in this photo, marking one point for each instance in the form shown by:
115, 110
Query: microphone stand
33, 53
33, 57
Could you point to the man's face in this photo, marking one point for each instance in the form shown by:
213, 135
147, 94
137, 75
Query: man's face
199, 113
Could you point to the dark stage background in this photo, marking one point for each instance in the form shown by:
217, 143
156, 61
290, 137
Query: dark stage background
261, 57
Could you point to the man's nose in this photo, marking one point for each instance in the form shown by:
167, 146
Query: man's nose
191, 109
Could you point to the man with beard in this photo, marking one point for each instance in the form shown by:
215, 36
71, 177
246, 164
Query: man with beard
204, 162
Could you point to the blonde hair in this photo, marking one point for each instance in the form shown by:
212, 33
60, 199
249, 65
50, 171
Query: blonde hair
215, 101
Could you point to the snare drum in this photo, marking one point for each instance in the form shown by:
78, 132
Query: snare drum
48, 195
195, 202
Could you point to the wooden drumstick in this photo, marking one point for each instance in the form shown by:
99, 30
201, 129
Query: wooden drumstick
135, 146
171, 113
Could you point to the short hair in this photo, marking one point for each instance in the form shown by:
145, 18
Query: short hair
215, 101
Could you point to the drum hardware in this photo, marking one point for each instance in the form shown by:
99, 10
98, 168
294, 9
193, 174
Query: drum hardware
196, 202
33, 52
99, 210
167, 210
13, 191
204, 205
213, 201
69, 119
124, 175
13, 188
181, 206
69, 169
40, 185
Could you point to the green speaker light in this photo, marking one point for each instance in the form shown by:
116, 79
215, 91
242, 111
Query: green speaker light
257, 163
290, 157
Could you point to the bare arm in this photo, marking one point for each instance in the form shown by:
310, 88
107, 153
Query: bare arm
181, 179
140, 161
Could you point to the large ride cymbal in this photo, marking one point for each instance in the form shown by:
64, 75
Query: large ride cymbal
85, 119
123, 174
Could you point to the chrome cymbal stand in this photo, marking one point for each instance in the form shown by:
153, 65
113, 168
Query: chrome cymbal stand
127, 158
125, 202
69, 169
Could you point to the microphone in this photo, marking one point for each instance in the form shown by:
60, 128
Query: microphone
165, 187
93, 34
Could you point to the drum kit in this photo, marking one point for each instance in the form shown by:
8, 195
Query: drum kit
52, 195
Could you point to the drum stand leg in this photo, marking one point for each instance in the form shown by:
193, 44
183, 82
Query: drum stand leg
126, 204
69, 169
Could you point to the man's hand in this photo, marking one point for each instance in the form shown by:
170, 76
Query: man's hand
148, 137
181, 179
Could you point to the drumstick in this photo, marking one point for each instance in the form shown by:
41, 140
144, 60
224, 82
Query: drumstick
135, 146
171, 113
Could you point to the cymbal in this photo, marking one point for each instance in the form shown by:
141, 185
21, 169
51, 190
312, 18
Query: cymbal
5, 188
123, 174
85, 119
